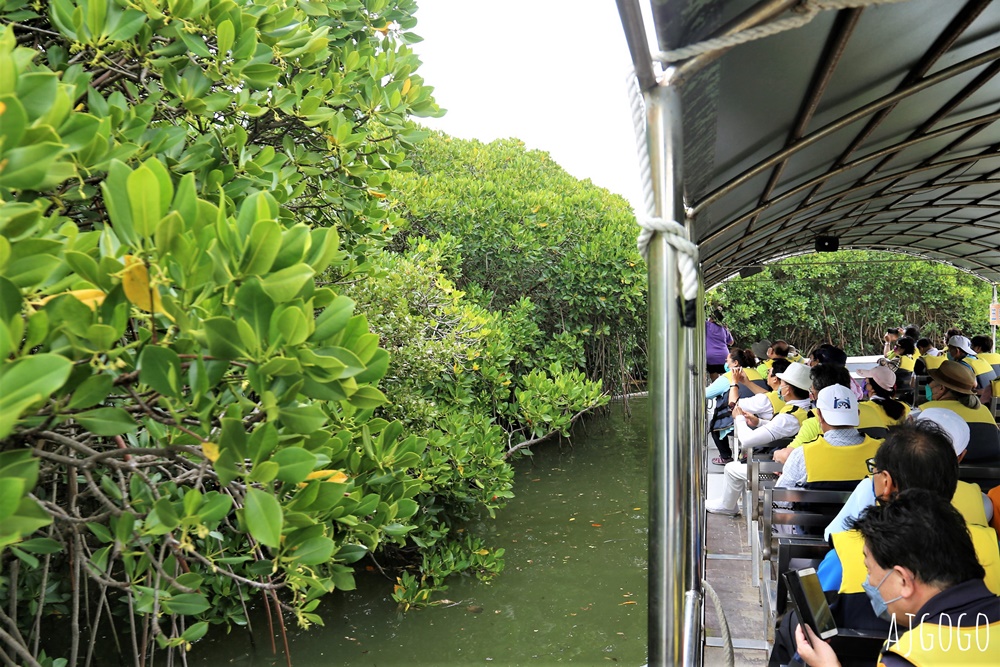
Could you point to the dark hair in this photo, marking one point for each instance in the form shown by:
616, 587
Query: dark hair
984, 343
884, 397
827, 375
829, 354
716, 314
924, 342
911, 332
952, 332
919, 455
907, 345
745, 358
780, 348
924, 533
780, 365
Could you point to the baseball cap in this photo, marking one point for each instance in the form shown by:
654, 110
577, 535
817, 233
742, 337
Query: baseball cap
838, 406
951, 423
962, 343
882, 375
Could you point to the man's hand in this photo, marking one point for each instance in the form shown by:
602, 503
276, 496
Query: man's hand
815, 652
781, 455
753, 421
739, 376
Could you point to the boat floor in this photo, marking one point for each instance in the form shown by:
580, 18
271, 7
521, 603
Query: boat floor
728, 571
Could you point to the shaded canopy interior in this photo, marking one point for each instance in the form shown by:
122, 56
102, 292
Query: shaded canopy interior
879, 126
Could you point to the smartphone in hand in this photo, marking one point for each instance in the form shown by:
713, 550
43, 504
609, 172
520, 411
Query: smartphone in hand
810, 602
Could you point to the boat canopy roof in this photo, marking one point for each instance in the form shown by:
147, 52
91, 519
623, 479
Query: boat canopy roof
879, 126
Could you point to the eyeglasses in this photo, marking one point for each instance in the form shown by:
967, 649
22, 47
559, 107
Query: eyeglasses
871, 466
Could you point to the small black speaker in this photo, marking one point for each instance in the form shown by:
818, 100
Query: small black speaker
827, 243
748, 271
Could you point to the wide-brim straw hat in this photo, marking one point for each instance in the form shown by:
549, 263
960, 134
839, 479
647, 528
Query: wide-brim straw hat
955, 376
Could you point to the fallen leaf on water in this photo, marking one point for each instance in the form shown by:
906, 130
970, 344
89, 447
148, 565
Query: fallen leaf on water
637, 508
572, 519
596, 525
622, 604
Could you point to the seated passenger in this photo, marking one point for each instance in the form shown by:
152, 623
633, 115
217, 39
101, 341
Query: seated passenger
831, 354
838, 455
776, 350
725, 392
759, 350
926, 348
793, 355
763, 406
880, 387
952, 388
785, 424
920, 454
905, 349
892, 334
921, 572
905, 466
960, 350
871, 419
983, 346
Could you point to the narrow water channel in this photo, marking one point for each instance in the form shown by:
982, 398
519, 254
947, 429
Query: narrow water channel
573, 591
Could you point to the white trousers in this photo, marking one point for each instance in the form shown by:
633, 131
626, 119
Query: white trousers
734, 483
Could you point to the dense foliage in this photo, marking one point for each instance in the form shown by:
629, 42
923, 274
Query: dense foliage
196, 212
528, 237
850, 298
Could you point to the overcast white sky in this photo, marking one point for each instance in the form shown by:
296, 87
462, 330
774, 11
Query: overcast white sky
549, 72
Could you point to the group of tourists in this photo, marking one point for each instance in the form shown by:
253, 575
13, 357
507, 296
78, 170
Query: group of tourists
914, 550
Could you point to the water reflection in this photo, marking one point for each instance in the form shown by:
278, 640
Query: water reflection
573, 591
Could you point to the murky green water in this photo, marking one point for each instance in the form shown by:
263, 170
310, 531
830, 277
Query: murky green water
573, 591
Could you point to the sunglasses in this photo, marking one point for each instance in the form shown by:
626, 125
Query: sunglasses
871, 466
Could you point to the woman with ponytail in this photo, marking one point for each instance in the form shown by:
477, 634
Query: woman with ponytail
726, 391
880, 387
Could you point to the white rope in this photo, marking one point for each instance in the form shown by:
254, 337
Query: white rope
674, 232
727, 639
806, 12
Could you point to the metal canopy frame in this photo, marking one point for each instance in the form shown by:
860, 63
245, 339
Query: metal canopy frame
877, 125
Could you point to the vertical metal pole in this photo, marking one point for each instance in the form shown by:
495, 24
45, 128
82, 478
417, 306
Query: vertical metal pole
994, 327
671, 567
694, 633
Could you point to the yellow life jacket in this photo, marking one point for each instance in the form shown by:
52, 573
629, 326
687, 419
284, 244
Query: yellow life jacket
809, 431
906, 362
795, 411
777, 403
968, 500
764, 367
876, 407
932, 362
944, 644
980, 368
827, 463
